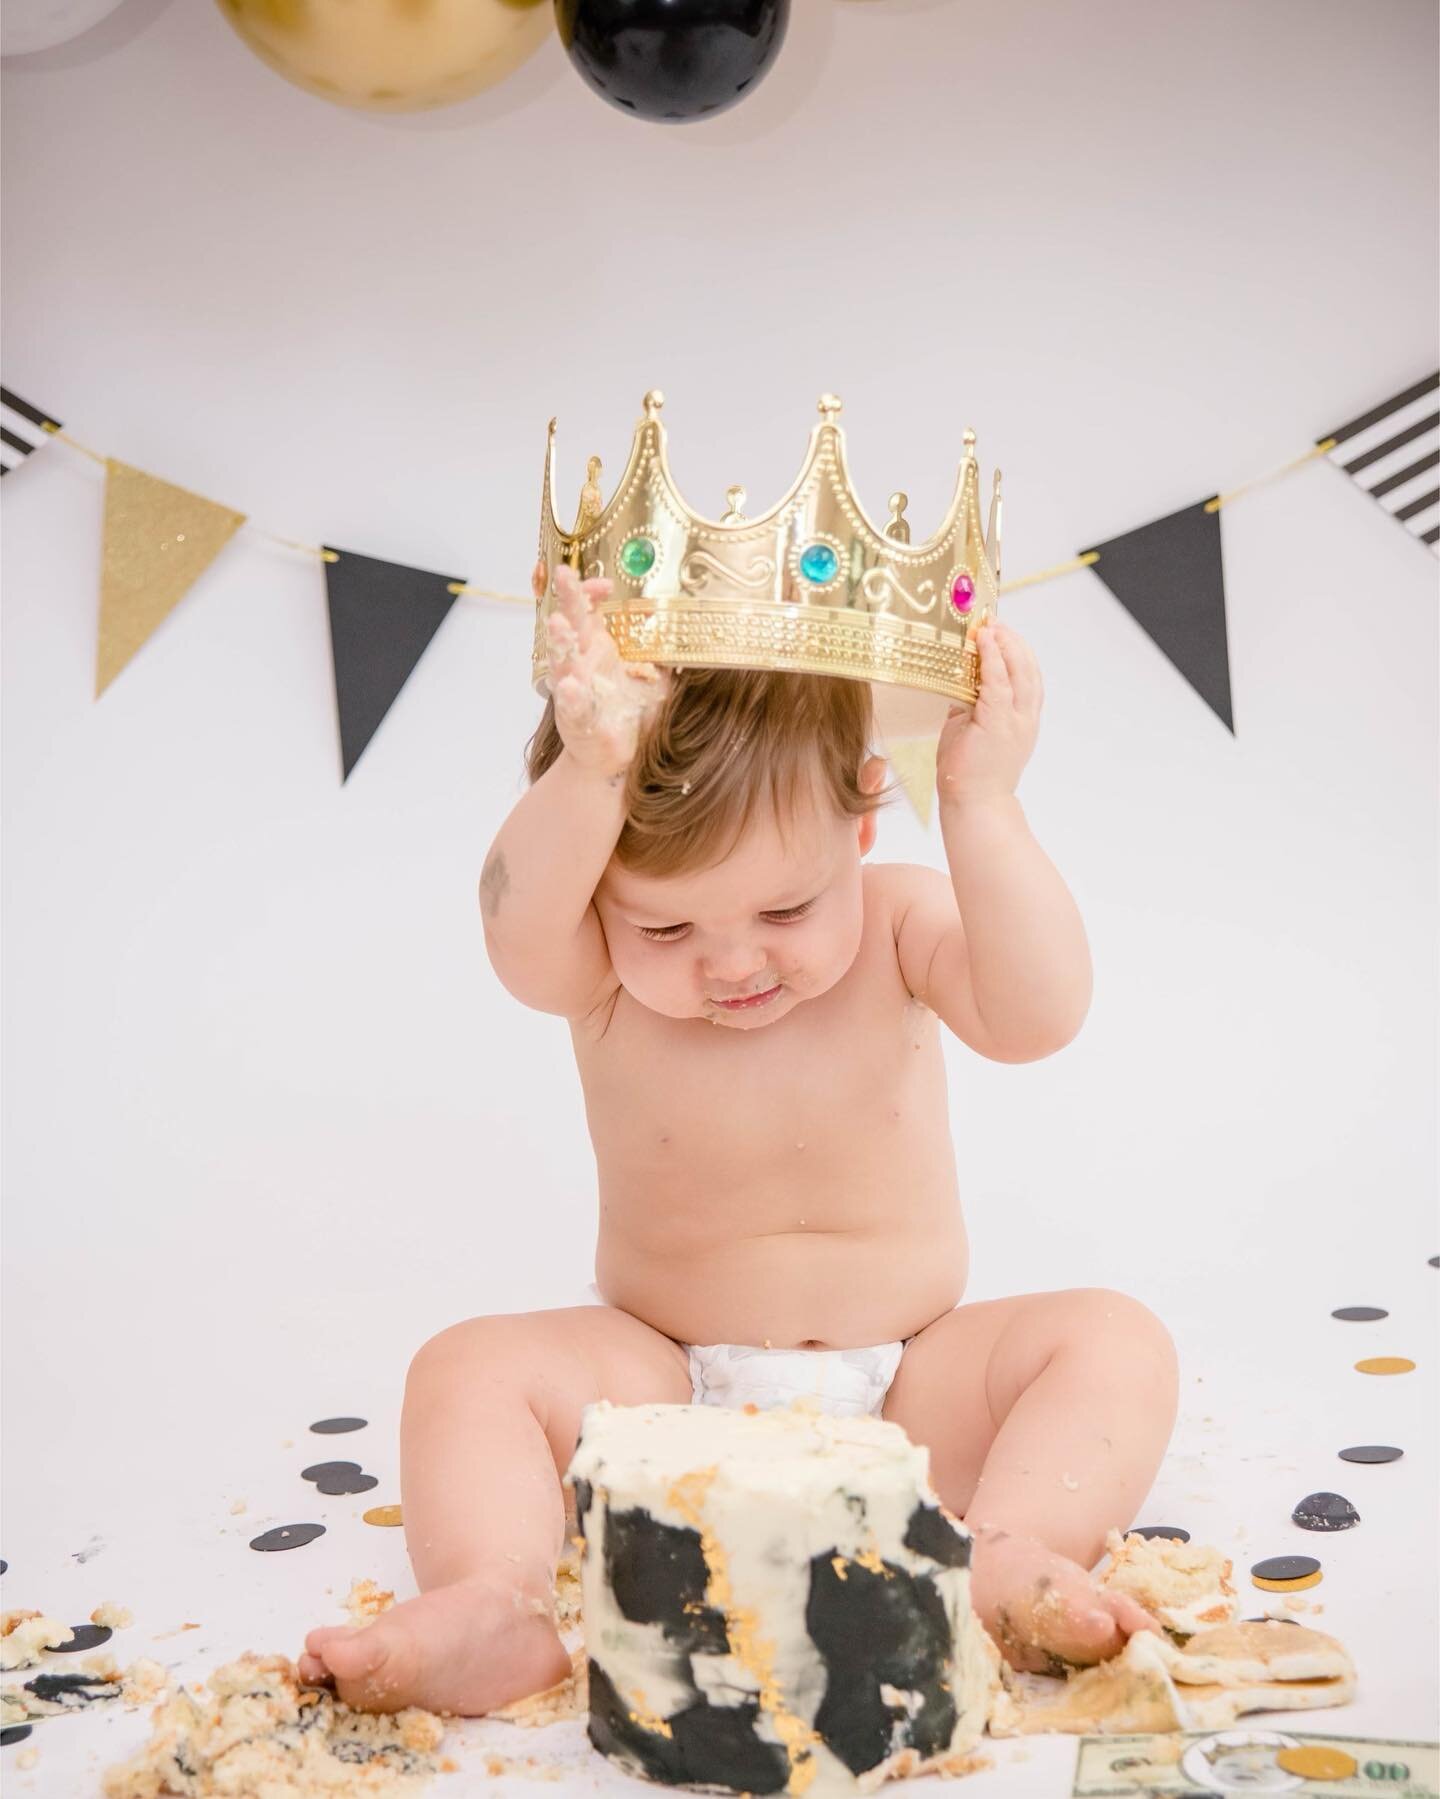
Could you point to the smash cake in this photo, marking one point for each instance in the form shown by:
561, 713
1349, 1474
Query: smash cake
774, 1601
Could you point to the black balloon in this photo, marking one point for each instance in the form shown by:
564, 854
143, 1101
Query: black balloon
672, 60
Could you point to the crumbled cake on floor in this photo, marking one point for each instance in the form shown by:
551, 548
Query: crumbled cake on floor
1154, 1685
1185, 1585
258, 1731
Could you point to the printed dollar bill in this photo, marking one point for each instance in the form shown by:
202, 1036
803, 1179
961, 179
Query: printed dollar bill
1201, 1764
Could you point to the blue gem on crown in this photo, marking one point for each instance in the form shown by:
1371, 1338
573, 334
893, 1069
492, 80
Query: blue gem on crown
819, 563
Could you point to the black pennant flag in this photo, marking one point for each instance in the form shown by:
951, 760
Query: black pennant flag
1169, 577
382, 617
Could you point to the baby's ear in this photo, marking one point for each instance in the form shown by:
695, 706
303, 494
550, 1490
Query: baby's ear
872, 779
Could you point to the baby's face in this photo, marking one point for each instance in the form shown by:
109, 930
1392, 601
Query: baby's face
743, 943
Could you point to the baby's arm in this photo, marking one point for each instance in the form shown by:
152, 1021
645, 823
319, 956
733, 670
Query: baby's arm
1002, 955
537, 888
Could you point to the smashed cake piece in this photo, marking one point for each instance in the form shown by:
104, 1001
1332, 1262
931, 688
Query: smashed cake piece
258, 1731
569, 1698
1153, 1685
567, 1591
99, 1681
1241, 1654
1185, 1585
112, 1616
25, 1635
366, 1600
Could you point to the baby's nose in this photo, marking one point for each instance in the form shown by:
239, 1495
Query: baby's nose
734, 962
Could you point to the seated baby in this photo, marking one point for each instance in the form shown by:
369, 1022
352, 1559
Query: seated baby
756, 1016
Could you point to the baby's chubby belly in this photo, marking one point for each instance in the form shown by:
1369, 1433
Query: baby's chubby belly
820, 1263
801, 1289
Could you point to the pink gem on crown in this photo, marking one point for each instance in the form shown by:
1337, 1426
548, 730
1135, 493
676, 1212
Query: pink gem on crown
962, 592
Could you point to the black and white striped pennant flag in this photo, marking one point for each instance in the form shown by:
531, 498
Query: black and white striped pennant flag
1393, 451
22, 429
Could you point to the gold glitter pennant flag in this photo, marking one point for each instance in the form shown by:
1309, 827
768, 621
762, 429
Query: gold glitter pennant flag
158, 541
913, 762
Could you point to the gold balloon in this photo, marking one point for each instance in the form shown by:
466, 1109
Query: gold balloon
391, 55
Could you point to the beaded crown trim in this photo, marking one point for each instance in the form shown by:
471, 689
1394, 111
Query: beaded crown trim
812, 585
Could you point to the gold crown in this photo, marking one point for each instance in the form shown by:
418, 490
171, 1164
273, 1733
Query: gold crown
812, 585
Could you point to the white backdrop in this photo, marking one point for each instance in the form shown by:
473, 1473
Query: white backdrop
269, 1119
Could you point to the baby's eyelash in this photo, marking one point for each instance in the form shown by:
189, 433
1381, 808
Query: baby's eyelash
792, 916
668, 933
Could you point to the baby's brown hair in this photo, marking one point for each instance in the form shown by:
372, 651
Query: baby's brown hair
723, 742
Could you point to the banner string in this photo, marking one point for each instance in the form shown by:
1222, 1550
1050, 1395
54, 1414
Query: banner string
466, 590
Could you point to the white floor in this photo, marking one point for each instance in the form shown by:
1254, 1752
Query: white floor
129, 1450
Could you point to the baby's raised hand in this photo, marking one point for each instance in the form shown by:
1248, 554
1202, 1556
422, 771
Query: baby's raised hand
982, 752
601, 702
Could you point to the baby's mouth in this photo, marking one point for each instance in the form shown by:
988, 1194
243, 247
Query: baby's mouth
749, 1002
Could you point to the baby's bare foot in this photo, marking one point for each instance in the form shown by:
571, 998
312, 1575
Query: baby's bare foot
464, 1649
1043, 1610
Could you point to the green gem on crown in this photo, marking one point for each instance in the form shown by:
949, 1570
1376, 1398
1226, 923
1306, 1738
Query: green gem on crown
818, 563
637, 556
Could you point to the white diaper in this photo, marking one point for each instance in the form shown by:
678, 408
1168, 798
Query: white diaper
846, 1383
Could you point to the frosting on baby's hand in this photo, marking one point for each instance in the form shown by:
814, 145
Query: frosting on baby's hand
601, 702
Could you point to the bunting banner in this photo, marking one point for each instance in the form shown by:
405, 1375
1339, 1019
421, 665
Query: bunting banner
1168, 573
1168, 576
23, 428
382, 617
1393, 451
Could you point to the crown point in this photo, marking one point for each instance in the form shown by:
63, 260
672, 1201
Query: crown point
899, 527
654, 400
734, 506
995, 482
830, 406
969, 441
554, 426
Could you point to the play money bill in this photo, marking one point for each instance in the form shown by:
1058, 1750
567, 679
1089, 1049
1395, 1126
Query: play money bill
1201, 1764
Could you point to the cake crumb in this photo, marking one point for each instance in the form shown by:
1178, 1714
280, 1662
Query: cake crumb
237, 1506
27, 1758
24, 1634
111, 1616
366, 1600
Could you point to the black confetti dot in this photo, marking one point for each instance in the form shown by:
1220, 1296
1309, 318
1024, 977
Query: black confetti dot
333, 1485
1325, 1511
87, 1636
287, 1536
1372, 1452
3, 1566
328, 1470
1359, 1314
1286, 1567
334, 1427
1172, 1531
1435, 1261
15, 1733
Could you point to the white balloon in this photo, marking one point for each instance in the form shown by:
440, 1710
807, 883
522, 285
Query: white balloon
28, 25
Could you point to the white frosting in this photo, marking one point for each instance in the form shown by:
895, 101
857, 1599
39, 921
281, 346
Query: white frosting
768, 1491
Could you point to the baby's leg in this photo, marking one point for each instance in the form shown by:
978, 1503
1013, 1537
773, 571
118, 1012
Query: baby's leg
492, 1413
1046, 1417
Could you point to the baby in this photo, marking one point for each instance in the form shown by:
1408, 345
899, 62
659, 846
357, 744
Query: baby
756, 1015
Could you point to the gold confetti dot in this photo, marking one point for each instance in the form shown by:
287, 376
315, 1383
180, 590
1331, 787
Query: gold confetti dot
383, 1514
1287, 1586
1385, 1364
1317, 1761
